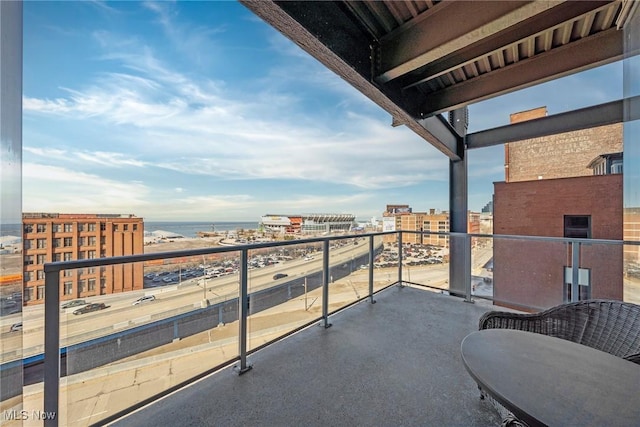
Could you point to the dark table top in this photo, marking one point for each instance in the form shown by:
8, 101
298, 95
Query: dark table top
551, 381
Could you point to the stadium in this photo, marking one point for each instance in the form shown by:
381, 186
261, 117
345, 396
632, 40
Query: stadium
308, 223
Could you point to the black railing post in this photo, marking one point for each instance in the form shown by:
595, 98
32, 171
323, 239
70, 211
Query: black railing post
575, 271
325, 283
243, 311
372, 257
400, 259
51, 345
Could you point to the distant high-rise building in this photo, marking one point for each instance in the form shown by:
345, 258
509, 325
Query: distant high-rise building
49, 237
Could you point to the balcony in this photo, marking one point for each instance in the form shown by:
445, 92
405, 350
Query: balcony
396, 359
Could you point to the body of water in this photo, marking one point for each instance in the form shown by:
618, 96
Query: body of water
183, 228
189, 228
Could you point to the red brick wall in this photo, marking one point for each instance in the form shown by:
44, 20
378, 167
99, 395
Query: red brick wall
539, 157
531, 273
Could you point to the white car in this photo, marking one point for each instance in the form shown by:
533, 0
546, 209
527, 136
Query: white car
144, 299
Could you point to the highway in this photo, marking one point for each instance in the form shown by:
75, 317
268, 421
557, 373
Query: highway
170, 301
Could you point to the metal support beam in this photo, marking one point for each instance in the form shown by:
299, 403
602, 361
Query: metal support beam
584, 118
432, 36
458, 202
326, 279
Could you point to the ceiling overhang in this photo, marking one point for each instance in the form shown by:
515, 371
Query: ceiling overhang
417, 59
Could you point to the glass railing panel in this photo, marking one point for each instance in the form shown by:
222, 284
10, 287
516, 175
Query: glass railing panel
11, 326
380, 279
600, 264
482, 267
348, 272
631, 272
528, 273
285, 290
387, 260
425, 260
129, 338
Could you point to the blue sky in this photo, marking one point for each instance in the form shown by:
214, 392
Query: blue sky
199, 111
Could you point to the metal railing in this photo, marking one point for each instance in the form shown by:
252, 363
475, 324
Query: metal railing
53, 270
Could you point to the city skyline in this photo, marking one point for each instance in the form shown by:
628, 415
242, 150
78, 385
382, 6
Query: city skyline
199, 111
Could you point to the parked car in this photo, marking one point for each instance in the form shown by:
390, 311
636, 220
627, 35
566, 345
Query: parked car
91, 307
74, 303
16, 327
141, 300
279, 276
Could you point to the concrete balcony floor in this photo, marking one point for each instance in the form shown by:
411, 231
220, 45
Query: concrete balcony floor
393, 363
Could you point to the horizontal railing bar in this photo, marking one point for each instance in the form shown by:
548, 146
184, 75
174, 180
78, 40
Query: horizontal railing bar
97, 262
522, 237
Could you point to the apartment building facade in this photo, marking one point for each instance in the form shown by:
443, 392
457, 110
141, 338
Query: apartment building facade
405, 219
564, 185
50, 237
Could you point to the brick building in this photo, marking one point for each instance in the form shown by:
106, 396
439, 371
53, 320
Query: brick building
49, 237
556, 187
432, 221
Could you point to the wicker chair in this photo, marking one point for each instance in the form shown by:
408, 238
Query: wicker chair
610, 326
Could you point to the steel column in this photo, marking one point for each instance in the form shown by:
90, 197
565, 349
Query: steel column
458, 208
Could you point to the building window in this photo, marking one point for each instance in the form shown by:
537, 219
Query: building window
103, 240
41, 228
82, 255
42, 258
92, 240
91, 254
41, 243
577, 226
92, 284
103, 283
27, 294
82, 241
81, 285
67, 256
67, 273
68, 228
126, 227
103, 254
40, 294
135, 227
68, 288
28, 228
28, 276
115, 227
40, 275
28, 244
55, 228
57, 257
28, 260
57, 242
103, 226
91, 270
91, 227
81, 227
68, 241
